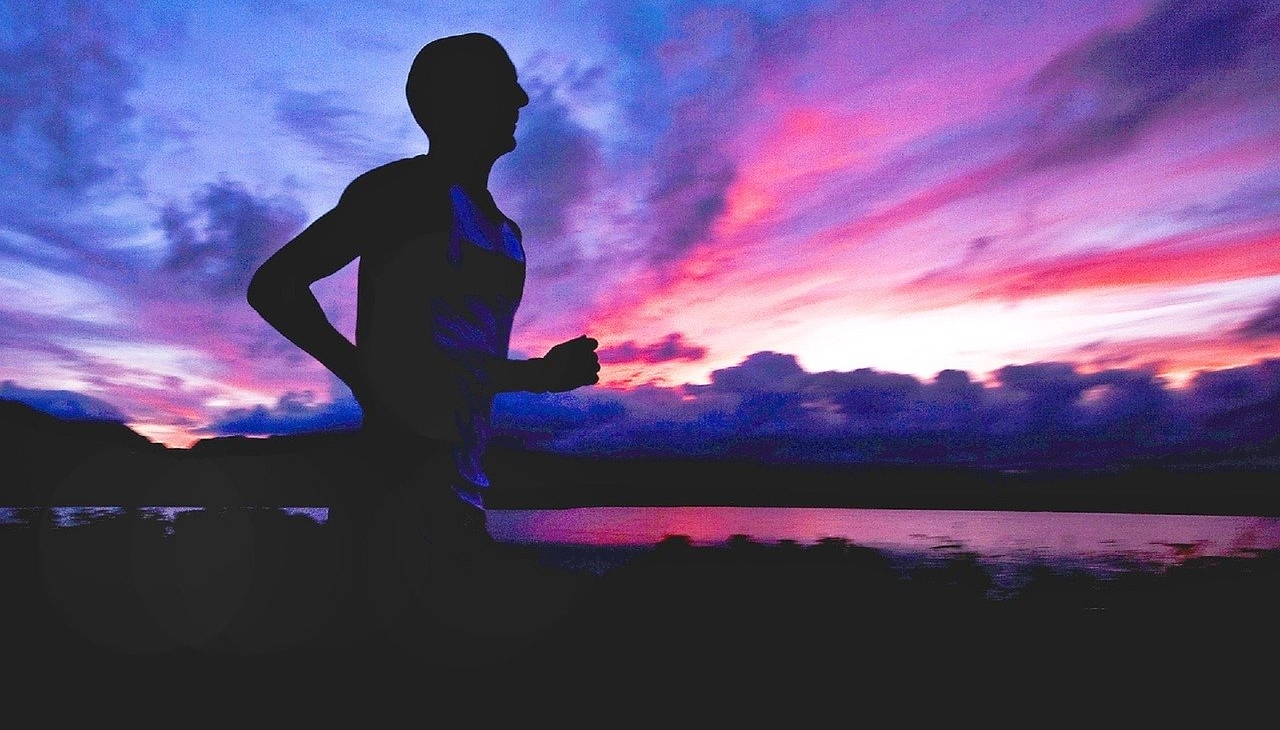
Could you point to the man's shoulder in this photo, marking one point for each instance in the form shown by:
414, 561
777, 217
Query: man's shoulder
398, 178
397, 200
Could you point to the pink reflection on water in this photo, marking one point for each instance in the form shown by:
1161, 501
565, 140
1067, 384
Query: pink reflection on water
987, 533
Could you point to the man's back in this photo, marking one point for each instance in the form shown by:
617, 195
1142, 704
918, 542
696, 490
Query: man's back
402, 217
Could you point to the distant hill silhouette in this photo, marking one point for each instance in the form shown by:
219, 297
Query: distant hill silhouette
21, 421
52, 461
40, 452
263, 446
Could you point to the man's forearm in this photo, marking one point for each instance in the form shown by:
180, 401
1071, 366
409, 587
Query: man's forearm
520, 375
568, 365
297, 315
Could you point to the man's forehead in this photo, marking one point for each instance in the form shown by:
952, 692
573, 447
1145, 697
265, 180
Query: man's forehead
488, 66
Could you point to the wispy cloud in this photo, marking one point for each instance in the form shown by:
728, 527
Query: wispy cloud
331, 127
551, 176
1263, 325
65, 80
1099, 97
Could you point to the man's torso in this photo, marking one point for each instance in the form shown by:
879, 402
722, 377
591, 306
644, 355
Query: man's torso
439, 283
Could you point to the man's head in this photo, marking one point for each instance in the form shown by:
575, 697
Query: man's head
463, 92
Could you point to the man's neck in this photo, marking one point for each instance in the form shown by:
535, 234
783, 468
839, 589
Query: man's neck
469, 171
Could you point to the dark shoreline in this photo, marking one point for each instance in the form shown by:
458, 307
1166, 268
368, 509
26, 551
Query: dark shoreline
53, 462
539, 480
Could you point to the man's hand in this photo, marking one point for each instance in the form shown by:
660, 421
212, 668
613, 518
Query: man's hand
571, 364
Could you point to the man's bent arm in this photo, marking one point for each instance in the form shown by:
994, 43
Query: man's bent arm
281, 293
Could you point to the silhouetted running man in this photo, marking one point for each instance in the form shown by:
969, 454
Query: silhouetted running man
441, 273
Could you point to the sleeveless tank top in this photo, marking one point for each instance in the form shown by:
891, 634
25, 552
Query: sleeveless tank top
443, 317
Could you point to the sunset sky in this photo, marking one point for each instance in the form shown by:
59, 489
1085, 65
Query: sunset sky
778, 218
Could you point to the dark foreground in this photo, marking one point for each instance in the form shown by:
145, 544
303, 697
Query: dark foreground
244, 612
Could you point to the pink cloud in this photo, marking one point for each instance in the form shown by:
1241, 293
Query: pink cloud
1180, 260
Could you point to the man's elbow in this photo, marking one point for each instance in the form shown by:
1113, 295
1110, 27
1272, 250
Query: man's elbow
264, 290
256, 292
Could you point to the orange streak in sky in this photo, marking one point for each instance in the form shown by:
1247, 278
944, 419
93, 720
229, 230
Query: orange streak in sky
1177, 358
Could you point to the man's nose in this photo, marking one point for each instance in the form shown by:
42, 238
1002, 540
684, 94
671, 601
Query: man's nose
522, 97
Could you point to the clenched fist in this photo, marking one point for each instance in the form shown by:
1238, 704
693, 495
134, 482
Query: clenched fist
571, 364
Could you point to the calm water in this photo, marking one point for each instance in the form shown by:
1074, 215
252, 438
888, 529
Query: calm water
1005, 542
1096, 541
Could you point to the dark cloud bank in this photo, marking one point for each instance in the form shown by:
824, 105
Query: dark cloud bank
769, 408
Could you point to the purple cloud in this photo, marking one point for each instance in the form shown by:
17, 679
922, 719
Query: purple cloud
1236, 407
710, 65
1100, 96
38, 332
294, 412
330, 127
670, 348
71, 142
1042, 394
1046, 414
1215, 391
689, 70
1254, 199
1264, 324
65, 81
555, 167
1037, 414
868, 394
217, 242
760, 372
